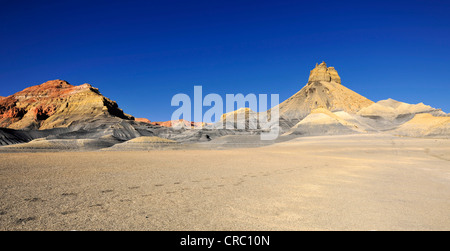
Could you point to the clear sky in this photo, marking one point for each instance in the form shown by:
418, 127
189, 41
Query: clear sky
141, 53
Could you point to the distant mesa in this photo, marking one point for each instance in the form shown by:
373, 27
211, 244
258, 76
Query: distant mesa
56, 104
144, 120
181, 122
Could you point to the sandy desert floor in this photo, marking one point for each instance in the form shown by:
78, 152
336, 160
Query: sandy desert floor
357, 182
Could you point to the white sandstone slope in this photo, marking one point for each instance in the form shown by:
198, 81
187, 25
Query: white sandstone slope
392, 109
323, 122
243, 118
425, 124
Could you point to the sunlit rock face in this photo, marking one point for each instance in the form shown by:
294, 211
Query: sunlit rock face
324, 73
56, 104
323, 90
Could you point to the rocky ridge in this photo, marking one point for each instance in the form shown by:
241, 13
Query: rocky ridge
57, 115
56, 104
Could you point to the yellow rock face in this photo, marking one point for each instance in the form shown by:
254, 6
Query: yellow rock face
322, 73
334, 75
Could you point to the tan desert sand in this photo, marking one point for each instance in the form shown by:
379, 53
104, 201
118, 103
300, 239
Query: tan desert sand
349, 182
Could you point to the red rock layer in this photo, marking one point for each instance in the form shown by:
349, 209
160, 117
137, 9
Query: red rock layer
55, 104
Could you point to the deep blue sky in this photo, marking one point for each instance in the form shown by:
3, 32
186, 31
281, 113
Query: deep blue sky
141, 53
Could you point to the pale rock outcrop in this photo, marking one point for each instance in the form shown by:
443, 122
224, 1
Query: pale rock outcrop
391, 109
425, 125
144, 120
322, 73
243, 118
323, 122
334, 75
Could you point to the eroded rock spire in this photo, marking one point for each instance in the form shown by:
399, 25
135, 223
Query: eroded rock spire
324, 73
